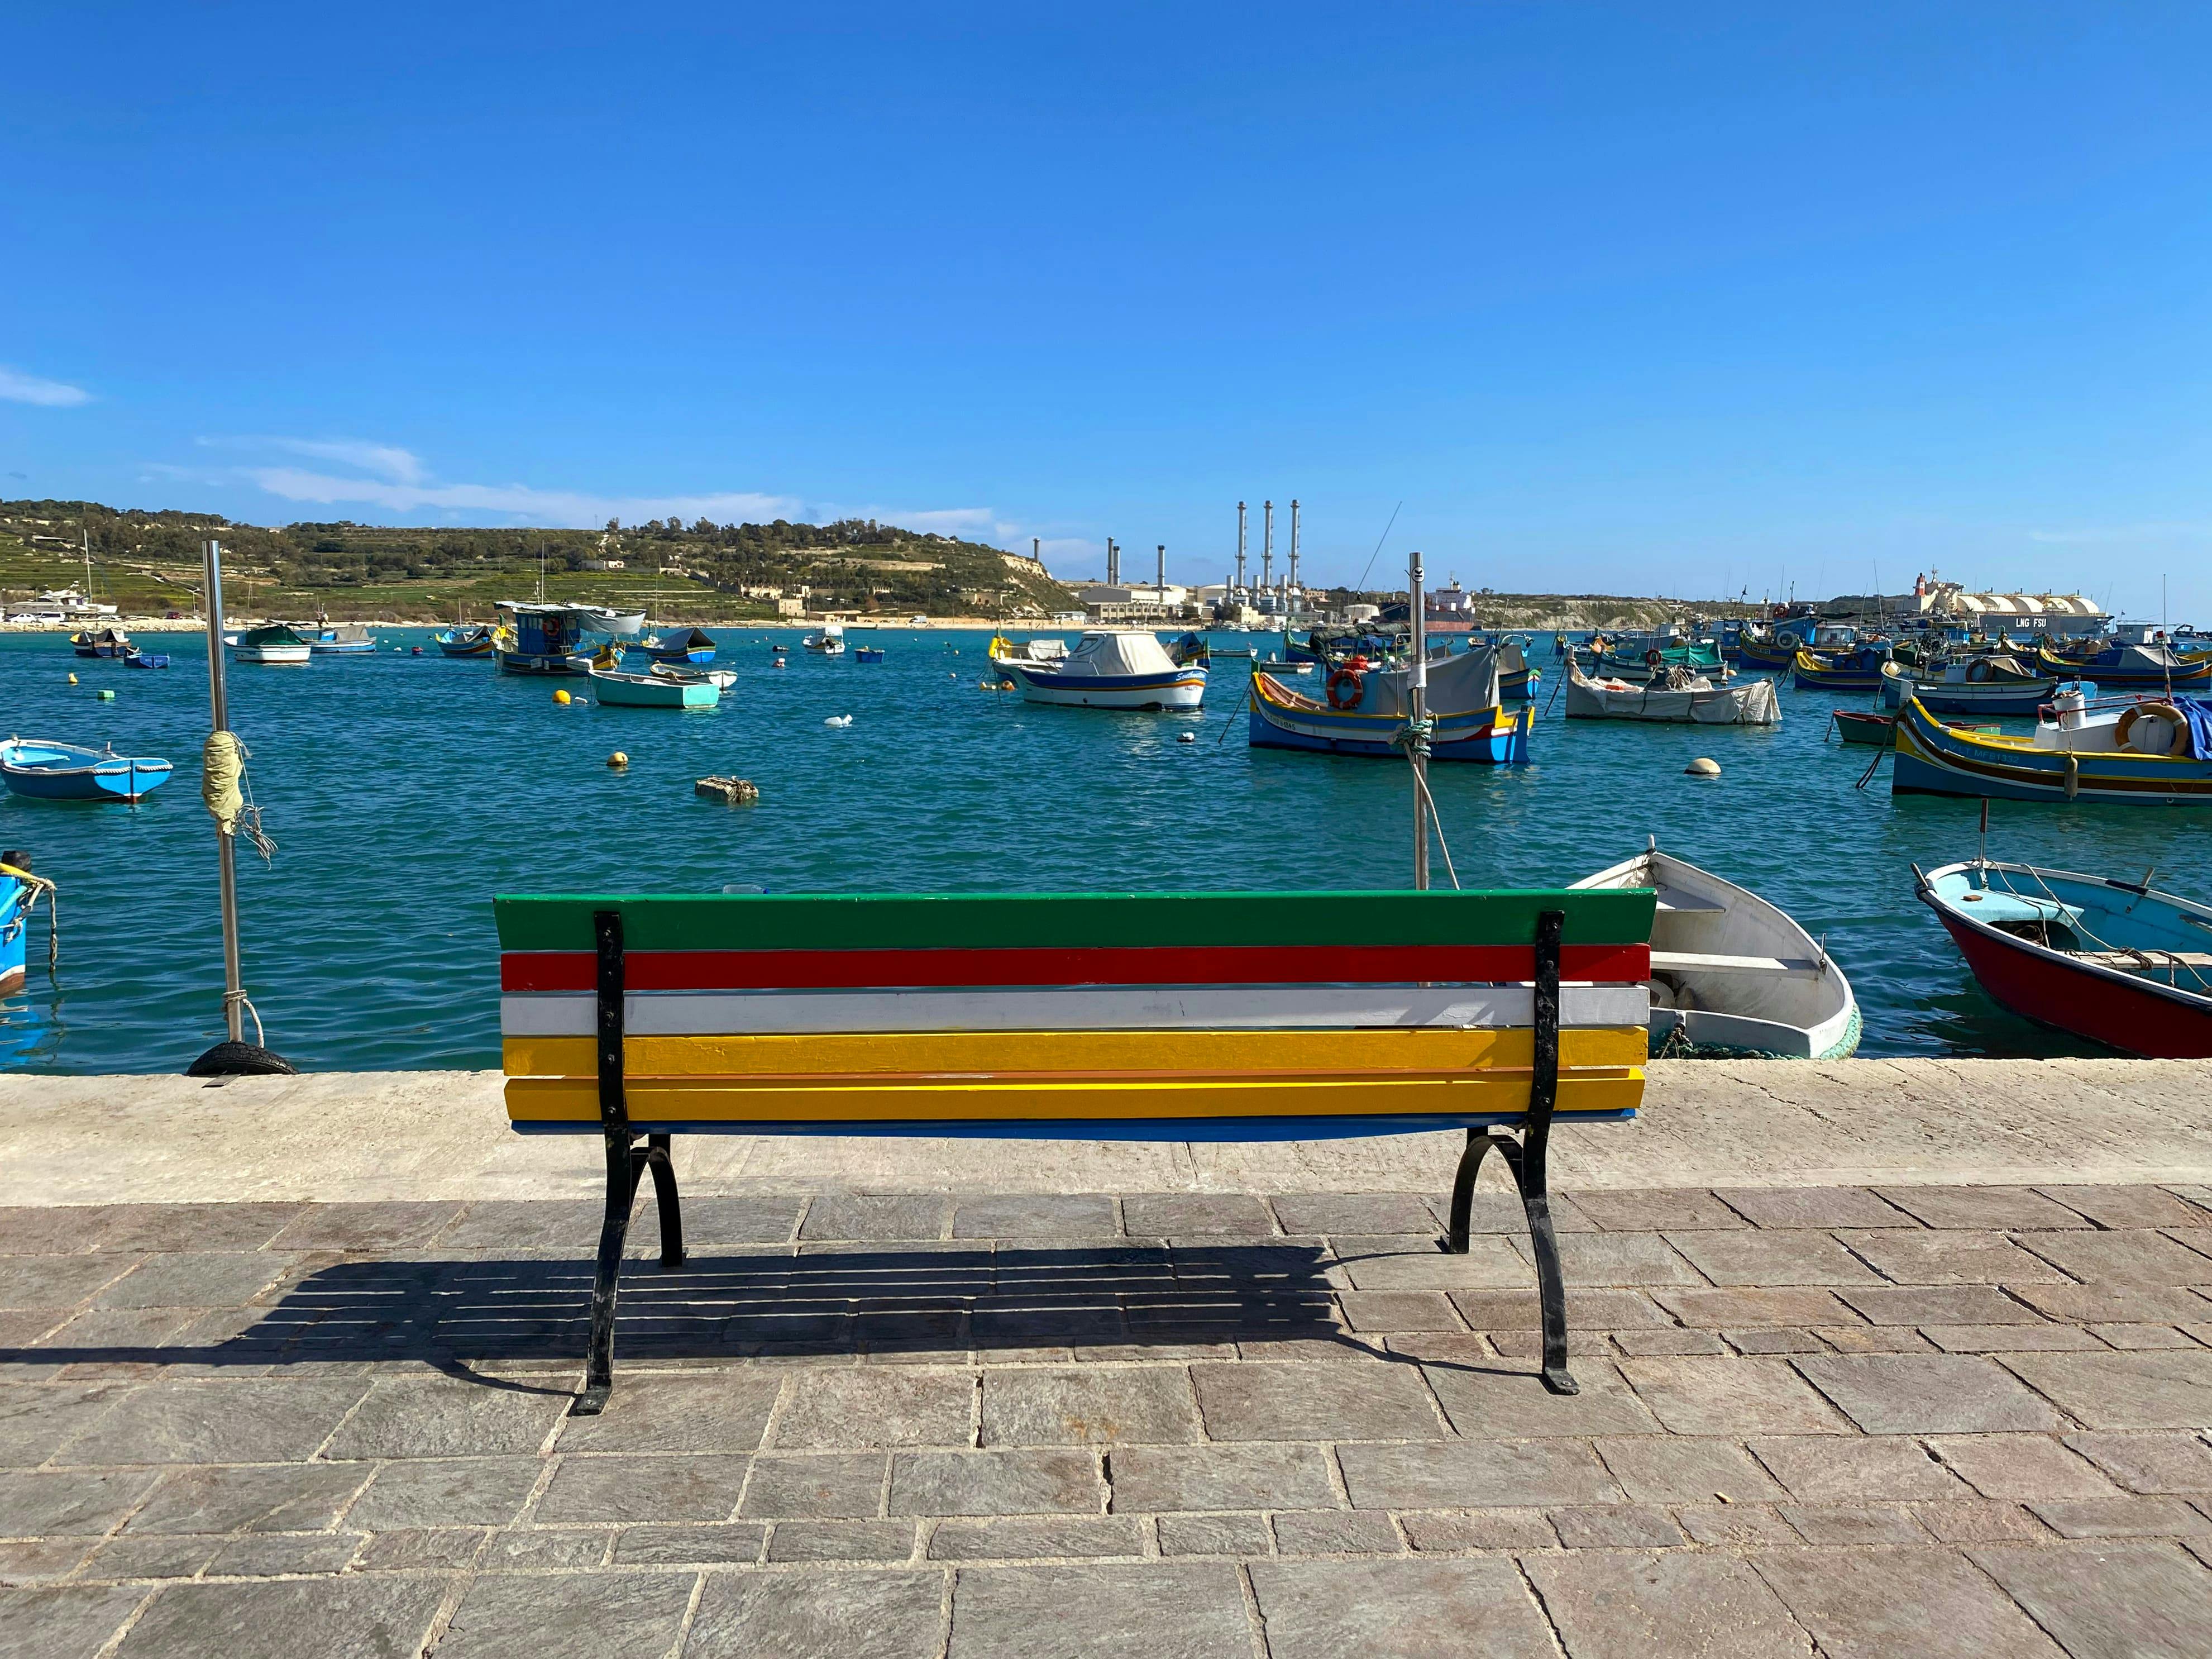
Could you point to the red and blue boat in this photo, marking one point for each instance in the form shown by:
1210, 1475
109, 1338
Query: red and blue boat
2142, 751
1365, 711
2116, 962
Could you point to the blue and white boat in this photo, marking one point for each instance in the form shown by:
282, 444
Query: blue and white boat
696, 647
335, 639
19, 891
147, 660
1365, 712
460, 641
543, 639
64, 771
1113, 668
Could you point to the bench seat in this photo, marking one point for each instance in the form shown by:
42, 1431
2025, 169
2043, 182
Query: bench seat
1179, 1017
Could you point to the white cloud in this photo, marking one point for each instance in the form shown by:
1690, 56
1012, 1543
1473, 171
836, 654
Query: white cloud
551, 506
385, 460
17, 387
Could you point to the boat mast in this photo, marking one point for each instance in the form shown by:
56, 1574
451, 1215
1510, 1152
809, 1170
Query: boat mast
85, 537
1417, 743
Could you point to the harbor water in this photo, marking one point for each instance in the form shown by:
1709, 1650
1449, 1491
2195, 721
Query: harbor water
403, 791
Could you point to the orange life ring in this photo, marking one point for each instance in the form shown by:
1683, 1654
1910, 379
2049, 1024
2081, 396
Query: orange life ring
2124, 733
1347, 681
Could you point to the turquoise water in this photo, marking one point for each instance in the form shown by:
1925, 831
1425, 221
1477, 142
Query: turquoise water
405, 791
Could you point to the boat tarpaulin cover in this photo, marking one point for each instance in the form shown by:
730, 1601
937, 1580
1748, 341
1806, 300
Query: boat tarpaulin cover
1457, 684
1102, 655
2197, 711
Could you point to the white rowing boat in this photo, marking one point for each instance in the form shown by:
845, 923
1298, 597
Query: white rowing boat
1731, 973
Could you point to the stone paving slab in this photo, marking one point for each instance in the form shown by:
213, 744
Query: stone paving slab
1812, 1421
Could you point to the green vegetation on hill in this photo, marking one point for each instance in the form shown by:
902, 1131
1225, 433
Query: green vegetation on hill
149, 562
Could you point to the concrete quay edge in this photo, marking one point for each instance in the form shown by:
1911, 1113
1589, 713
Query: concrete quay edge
390, 1136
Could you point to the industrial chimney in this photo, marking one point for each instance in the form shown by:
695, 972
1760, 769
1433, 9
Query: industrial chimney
1239, 545
1294, 544
1267, 545
1162, 583
1112, 563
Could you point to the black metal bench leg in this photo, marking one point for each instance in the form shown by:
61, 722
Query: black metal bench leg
658, 1158
614, 1233
1527, 1161
1463, 1204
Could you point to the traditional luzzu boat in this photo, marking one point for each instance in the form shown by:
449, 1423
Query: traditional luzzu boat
2112, 961
335, 639
1732, 974
1761, 647
1679, 697
459, 641
695, 646
653, 690
2141, 750
101, 642
65, 771
2149, 667
542, 639
1856, 670
1993, 684
274, 644
1365, 714
1113, 668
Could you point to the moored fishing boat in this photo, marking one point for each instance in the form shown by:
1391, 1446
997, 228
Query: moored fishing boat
459, 641
1680, 697
275, 643
542, 639
695, 646
2153, 666
1761, 647
722, 678
40, 770
2113, 961
868, 653
2140, 749
827, 641
335, 638
606, 619
101, 642
1730, 972
1112, 668
19, 891
1997, 684
1856, 670
147, 660
654, 690
1857, 726
1365, 714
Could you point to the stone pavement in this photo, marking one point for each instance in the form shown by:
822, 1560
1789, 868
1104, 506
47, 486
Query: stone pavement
1847, 1421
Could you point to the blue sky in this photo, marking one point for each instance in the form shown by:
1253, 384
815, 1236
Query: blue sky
1662, 298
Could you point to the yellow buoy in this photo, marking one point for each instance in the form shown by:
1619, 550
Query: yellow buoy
618, 760
563, 697
72, 680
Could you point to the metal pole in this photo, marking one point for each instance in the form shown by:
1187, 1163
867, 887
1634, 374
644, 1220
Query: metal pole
1417, 698
233, 984
1240, 546
1267, 545
1294, 552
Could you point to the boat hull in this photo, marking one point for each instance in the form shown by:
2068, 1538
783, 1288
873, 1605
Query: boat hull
15, 932
272, 655
2053, 989
67, 773
1875, 731
1488, 736
1183, 688
1935, 759
646, 691
532, 662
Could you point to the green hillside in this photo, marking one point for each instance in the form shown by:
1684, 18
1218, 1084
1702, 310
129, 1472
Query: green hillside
149, 563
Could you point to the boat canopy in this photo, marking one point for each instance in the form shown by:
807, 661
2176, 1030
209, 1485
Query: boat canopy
274, 633
1114, 655
1468, 681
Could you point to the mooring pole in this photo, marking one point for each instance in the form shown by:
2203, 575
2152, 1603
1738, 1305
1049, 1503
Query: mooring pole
1417, 698
234, 978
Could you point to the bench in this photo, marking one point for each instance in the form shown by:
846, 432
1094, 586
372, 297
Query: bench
1092, 1015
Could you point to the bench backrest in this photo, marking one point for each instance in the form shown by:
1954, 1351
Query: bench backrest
1186, 1015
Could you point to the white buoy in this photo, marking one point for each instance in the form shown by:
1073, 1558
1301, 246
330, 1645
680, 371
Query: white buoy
1702, 767
838, 720
1187, 737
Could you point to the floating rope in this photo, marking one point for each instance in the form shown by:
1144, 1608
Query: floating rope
39, 884
228, 795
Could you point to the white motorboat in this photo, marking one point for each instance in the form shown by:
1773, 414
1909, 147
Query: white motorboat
1732, 974
273, 644
1113, 668
828, 641
1673, 695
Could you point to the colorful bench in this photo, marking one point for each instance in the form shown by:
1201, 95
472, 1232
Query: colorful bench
1089, 1016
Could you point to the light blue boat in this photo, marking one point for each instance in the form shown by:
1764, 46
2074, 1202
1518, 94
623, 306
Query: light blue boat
64, 771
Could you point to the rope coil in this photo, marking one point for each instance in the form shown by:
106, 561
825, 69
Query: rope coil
227, 793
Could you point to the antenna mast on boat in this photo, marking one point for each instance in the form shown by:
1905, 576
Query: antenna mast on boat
1417, 732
